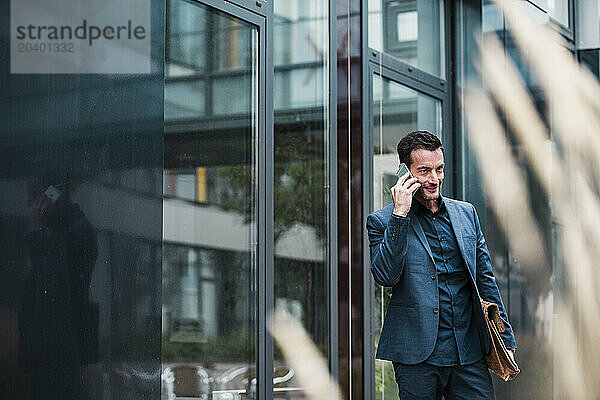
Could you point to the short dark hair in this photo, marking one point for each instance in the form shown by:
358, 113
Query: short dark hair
417, 140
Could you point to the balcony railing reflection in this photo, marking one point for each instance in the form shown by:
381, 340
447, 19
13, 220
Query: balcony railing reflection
191, 381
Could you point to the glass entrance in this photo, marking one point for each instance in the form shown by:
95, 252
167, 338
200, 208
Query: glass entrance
397, 110
210, 235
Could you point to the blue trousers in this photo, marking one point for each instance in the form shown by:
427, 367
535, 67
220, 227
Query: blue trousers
429, 382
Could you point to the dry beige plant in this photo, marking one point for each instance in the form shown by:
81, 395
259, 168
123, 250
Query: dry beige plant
565, 162
303, 356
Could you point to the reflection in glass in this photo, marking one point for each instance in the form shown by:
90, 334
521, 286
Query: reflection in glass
184, 99
209, 236
560, 11
397, 110
410, 30
58, 323
529, 295
491, 17
80, 229
197, 57
591, 60
301, 176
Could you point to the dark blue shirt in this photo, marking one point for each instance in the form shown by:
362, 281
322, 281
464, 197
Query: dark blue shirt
458, 341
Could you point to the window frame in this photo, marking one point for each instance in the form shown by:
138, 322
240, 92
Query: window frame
567, 31
260, 15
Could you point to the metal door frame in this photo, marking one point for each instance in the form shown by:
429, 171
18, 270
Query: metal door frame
259, 14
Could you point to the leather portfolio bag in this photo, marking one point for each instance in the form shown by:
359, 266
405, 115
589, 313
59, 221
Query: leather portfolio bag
498, 359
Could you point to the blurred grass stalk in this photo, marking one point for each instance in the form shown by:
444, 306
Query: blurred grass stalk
566, 164
309, 364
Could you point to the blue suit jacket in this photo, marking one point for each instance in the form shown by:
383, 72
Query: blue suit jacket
401, 259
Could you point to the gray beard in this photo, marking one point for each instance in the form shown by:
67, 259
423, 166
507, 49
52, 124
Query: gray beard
421, 194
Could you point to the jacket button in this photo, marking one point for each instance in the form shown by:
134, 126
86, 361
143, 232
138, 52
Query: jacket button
435, 310
433, 276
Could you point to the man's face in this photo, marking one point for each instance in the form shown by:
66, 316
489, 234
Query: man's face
428, 167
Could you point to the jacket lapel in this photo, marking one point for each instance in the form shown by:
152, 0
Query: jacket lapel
456, 226
416, 225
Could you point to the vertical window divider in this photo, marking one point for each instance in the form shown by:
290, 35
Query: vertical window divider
369, 354
367, 156
267, 292
332, 195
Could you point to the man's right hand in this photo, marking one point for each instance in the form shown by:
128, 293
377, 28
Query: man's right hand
38, 210
402, 194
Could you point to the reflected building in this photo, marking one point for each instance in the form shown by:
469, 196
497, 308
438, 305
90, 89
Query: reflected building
211, 188
235, 179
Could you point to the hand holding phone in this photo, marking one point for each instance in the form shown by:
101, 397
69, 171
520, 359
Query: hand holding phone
52, 193
403, 191
39, 208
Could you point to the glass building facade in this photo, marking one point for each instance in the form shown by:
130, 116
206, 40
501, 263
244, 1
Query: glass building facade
152, 220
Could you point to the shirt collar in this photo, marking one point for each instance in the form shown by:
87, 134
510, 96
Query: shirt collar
421, 209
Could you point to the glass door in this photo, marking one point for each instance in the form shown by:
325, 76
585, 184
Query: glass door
396, 110
212, 168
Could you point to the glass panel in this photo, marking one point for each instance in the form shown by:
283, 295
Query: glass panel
591, 60
184, 99
201, 60
186, 42
492, 19
80, 223
299, 88
560, 11
210, 234
301, 176
228, 100
397, 110
410, 30
587, 34
537, 13
528, 295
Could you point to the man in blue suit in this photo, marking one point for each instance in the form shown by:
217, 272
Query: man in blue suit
430, 249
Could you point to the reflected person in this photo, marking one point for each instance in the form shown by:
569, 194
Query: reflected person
430, 249
58, 323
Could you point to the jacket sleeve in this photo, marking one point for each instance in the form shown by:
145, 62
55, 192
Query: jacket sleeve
388, 248
486, 283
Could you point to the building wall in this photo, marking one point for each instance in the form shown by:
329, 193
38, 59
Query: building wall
80, 291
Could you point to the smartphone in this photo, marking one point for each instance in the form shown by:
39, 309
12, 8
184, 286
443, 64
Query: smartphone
402, 171
52, 193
